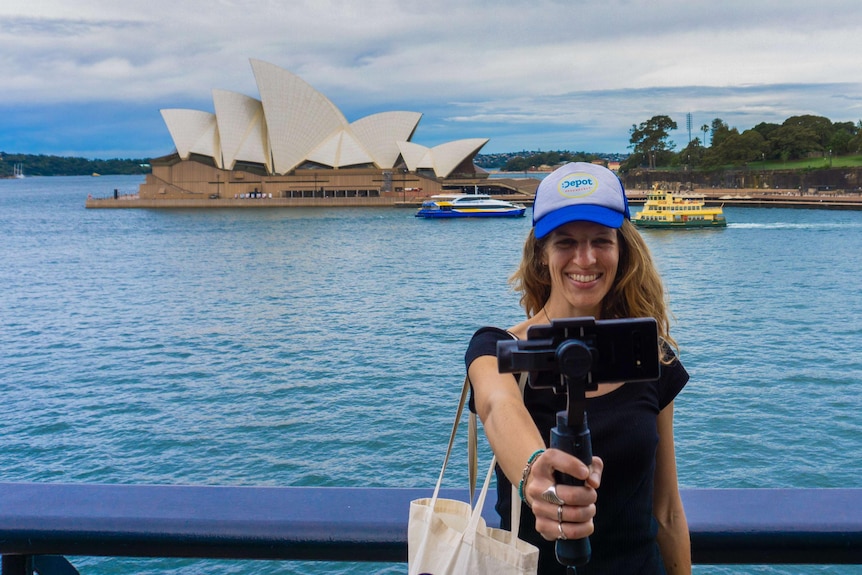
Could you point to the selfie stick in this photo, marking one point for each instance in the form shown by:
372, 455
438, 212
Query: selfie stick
571, 361
572, 434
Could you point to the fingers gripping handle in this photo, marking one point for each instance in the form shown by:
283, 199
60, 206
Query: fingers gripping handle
576, 441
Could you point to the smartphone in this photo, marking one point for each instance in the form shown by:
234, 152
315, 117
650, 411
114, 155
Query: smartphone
605, 351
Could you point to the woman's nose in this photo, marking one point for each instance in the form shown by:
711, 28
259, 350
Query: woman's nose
584, 255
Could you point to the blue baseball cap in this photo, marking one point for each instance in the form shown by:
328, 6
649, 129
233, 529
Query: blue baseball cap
577, 192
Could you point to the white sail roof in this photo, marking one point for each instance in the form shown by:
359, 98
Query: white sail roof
340, 150
380, 134
242, 130
293, 123
194, 132
443, 159
415, 155
448, 156
299, 117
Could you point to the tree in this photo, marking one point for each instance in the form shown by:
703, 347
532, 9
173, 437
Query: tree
651, 138
793, 141
820, 126
766, 128
720, 130
844, 132
840, 142
635, 160
704, 129
854, 146
522, 163
516, 164
42, 165
691, 155
739, 149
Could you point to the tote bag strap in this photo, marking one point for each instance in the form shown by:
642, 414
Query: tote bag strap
516, 497
476, 515
473, 434
461, 403
472, 458
472, 449
473, 439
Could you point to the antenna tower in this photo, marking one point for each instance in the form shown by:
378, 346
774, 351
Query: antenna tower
688, 125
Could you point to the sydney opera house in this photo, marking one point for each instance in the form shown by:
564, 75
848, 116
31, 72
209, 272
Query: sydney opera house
294, 144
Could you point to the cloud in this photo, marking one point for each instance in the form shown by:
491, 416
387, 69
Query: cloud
543, 74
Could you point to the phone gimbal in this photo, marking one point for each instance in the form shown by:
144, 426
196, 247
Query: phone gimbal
573, 356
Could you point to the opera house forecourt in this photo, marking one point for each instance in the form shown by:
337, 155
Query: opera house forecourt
294, 147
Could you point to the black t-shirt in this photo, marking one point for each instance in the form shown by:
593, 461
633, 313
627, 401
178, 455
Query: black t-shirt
624, 434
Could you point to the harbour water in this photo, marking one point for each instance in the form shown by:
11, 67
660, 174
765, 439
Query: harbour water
317, 347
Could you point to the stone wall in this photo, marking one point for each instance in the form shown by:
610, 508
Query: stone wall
843, 179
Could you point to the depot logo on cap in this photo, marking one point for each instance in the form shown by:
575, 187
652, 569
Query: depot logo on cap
579, 191
578, 185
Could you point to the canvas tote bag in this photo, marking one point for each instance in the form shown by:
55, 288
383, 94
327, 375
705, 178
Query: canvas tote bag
448, 537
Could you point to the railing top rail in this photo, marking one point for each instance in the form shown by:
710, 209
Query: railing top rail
366, 524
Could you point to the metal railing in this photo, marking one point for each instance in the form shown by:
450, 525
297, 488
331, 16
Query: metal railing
40, 523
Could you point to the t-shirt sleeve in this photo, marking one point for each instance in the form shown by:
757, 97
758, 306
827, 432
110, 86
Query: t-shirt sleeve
483, 342
673, 378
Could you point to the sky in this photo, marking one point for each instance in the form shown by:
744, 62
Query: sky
88, 78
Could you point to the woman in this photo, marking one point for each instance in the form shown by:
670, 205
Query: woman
584, 257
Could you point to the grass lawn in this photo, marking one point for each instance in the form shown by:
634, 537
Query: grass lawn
810, 163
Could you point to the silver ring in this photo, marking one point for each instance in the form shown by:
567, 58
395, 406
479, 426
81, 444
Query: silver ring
562, 535
550, 495
560, 513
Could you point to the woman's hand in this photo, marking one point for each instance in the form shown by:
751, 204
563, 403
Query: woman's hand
574, 518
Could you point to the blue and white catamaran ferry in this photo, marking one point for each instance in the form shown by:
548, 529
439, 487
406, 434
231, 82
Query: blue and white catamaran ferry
468, 206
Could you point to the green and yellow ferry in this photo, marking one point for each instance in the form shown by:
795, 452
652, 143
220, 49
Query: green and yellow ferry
664, 209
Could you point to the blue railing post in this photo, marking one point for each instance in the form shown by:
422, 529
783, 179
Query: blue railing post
38, 564
17, 565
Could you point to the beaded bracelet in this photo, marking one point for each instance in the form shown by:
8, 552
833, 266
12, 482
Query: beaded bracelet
526, 472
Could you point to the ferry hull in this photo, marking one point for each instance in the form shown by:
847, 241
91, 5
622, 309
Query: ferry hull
469, 206
470, 214
676, 225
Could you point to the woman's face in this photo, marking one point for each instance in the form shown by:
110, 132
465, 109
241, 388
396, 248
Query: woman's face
582, 258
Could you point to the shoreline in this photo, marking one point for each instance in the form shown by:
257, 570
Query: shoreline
743, 197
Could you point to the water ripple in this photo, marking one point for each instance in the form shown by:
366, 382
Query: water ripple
325, 347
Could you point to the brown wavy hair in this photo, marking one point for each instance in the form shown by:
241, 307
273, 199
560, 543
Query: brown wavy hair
637, 290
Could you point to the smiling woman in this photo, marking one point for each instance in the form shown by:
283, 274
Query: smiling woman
582, 258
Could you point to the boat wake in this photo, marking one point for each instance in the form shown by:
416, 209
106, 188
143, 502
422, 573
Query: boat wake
797, 226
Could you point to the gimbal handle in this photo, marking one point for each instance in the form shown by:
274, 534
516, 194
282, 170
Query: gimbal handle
575, 440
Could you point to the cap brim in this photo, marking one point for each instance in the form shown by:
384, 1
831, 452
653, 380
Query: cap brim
580, 213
